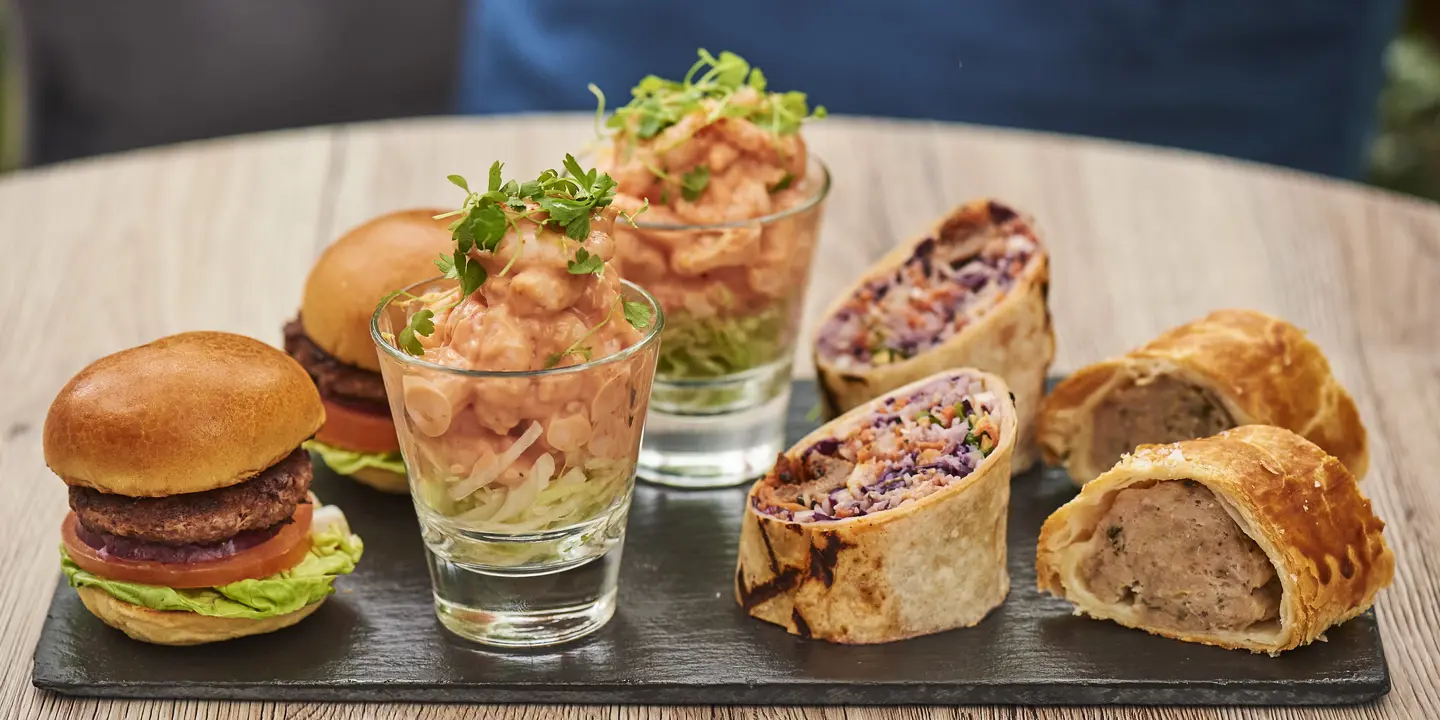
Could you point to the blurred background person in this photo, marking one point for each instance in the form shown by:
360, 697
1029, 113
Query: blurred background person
1290, 82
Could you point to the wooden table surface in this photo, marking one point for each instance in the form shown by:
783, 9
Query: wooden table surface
105, 254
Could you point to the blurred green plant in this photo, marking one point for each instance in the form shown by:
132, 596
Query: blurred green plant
1406, 153
9, 101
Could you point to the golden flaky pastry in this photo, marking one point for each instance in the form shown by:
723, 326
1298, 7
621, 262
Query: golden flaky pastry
1254, 539
934, 563
1012, 337
1230, 368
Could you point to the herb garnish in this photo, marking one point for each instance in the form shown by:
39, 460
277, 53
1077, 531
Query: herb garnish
710, 87
563, 203
462, 267
638, 314
657, 103
422, 322
782, 183
585, 263
693, 183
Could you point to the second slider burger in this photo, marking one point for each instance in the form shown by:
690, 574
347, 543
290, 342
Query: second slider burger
331, 338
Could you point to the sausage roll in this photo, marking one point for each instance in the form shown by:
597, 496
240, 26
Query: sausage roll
971, 292
888, 522
1230, 368
1254, 539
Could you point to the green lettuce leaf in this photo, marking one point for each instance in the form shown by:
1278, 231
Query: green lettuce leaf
347, 462
694, 347
334, 551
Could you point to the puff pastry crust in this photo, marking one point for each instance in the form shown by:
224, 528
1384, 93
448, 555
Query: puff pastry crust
1301, 506
1262, 369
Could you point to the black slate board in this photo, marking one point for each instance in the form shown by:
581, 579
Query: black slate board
680, 638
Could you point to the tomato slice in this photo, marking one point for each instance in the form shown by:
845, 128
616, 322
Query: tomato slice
357, 430
281, 552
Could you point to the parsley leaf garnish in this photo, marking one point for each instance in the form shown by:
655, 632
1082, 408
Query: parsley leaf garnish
464, 268
693, 183
563, 203
638, 314
554, 359
421, 323
585, 264
782, 183
471, 278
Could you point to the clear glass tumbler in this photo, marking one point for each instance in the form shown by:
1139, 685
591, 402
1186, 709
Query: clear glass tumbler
733, 295
521, 480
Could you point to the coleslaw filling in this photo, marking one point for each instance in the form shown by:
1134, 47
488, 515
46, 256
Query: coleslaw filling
907, 448
943, 287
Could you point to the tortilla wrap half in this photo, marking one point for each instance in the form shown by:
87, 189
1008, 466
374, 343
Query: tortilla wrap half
926, 564
1009, 333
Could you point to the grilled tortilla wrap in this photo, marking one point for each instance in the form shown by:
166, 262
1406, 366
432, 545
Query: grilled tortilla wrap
888, 522
1230, 368
1254, 539
970, 292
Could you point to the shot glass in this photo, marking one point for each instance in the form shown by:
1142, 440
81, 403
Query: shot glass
733, 295
521, 480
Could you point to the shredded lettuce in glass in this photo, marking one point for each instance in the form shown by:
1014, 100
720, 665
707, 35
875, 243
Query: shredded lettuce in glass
695, 347
570, 497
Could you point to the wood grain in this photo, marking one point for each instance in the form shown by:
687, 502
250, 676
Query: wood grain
109, 253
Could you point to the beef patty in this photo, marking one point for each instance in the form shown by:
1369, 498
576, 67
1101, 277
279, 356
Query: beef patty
1174, 553
1162, 411
204, 517
337, 381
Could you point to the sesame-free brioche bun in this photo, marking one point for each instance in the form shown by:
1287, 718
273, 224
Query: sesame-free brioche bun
187, 413
165, 627
386, 254
382, 480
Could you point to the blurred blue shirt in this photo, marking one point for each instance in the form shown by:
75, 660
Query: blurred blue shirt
1290, 82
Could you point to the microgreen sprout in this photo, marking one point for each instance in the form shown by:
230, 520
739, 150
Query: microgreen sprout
710, 87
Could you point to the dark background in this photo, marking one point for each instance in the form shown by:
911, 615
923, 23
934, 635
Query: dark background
87, 77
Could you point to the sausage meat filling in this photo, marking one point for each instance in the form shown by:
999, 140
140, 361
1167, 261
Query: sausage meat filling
907, 448
1172, 553
1164, 410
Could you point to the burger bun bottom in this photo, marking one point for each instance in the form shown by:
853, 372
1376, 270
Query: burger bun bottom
382, 480
164, 627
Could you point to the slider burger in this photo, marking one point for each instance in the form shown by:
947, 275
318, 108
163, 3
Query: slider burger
331, 338
191, 516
